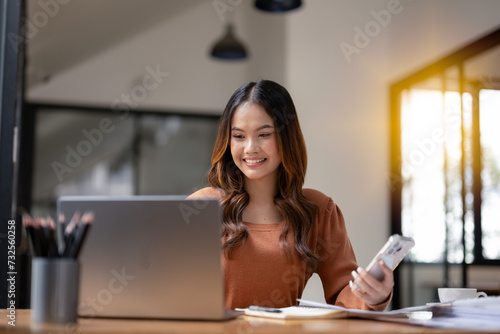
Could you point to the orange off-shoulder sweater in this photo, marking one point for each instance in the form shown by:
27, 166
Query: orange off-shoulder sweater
260, 272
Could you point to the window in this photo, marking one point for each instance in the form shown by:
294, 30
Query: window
445, 166
431, 171
489, 120
85, 151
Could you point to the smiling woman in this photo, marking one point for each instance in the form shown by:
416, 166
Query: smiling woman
269, 221
253, 143
252, 111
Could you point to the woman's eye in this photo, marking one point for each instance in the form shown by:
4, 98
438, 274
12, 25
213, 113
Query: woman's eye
265, 134
238, 136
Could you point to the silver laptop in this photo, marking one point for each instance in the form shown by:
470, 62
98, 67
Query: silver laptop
150, 257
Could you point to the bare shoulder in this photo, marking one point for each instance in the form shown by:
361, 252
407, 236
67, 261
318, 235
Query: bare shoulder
207, 192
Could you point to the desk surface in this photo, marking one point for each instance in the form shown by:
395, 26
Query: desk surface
241, 325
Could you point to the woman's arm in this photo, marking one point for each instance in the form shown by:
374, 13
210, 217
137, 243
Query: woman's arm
337, 262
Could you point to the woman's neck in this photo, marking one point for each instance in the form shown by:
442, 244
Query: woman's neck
261, 208
260, 191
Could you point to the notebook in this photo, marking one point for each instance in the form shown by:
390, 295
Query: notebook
295, 313
150, 257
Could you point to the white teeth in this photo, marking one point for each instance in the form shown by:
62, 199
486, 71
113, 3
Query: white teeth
254, 161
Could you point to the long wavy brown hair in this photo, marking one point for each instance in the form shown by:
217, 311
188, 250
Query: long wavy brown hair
298, 212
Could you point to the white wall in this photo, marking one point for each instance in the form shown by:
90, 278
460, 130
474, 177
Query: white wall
343, 106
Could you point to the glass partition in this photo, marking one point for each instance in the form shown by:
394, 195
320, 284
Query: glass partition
97, 152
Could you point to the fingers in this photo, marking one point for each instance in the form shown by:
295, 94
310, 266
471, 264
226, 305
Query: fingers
354, 285
365, 282
384, 267
368, 288
388, 280
361, 294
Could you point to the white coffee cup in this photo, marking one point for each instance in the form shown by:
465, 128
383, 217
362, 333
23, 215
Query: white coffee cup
448, 295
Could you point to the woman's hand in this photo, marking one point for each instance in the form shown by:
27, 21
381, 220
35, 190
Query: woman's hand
368, 288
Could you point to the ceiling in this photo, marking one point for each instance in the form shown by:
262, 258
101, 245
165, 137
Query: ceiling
62, 35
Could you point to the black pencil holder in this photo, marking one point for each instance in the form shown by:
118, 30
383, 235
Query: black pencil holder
54, 290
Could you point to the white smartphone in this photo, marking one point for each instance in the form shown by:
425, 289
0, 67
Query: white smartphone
393, 252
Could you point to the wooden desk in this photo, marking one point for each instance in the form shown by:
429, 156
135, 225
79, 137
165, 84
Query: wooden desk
241, 325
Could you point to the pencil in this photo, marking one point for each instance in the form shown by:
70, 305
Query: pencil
39, 237
28, 223
61, 224
49, 239
80, 234
45, 233
53, 249
69, 233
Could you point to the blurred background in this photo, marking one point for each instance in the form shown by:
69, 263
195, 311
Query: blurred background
123, 97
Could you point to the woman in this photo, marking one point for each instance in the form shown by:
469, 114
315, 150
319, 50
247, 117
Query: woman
276, 234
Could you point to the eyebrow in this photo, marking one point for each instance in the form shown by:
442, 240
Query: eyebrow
266, 126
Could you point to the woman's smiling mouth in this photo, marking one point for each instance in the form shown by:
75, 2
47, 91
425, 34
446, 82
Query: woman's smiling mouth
254, 162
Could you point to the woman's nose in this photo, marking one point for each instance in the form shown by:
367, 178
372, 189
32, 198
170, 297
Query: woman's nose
251, 146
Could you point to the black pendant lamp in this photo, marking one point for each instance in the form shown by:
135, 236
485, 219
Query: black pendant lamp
228, 47
277, 6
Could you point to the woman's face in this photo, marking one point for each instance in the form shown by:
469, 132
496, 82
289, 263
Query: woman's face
253, 142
